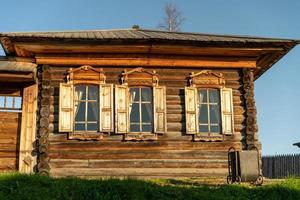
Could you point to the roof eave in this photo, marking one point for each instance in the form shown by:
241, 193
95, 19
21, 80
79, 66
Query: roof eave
287, 48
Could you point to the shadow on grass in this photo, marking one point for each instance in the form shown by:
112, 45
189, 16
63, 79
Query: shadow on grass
17, 186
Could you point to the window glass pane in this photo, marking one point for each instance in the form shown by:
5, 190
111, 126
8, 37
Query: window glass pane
146, 94
2, 101
147, 128
92, 126
214, 114
134, 128
80, 111
135, 113
146, 112
93, 92
203, 128
93, 111
80, 92
9, 102
203, 114
215, 129
18, 102
214, 96
79, 127
134, 94
203, 96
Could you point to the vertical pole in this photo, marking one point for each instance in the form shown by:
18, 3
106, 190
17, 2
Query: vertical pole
27, 160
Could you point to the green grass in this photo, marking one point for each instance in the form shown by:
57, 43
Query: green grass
17, 186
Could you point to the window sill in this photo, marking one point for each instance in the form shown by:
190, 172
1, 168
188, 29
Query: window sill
140, 136
208, 137
85, 136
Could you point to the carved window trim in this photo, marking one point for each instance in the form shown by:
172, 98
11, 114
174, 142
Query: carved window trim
207, 79
140, 77
77, 75
136, 81
85, 75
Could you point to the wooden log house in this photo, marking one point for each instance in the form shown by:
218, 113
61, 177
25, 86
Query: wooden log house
132, 102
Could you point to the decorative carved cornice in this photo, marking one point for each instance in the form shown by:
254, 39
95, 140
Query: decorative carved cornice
206, 78
86, 74
139, 76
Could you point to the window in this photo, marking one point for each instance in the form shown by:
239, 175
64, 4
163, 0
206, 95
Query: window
141, 110
86, 108
86, 104
209, 111
208, 107
140, 105
10, 103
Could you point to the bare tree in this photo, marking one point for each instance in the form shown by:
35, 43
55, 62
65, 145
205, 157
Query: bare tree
173, 18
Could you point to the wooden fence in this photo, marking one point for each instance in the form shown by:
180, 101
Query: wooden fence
281, 166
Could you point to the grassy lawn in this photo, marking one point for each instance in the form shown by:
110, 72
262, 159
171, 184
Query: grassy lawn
17, 186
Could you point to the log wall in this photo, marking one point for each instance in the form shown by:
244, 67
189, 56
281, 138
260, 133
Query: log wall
174, 154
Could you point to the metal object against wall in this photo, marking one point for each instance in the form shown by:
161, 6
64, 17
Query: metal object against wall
243, 166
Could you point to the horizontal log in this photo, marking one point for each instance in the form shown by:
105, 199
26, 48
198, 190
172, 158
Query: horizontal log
175, 118
8, 140
148, 61
139, 163
134, 172
146, 49
9, 147
137, 154
176, 126
154, 145
8, 163
12, 131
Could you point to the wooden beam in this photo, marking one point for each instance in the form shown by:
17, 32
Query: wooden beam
27, 50
16, 77
17, 66
149, 61
28, 129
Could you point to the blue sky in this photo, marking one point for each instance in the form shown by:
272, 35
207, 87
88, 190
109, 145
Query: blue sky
277, 92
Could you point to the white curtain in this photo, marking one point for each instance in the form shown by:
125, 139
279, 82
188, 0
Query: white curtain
215, 109
132, 97
148, 95
201, 97
78, 96
95, 106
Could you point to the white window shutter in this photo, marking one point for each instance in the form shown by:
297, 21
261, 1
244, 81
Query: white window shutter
160, 110
65, 107
227, 111
191, 110
121, 109
106, 107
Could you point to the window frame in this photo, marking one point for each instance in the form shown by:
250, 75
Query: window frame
208, 111
86, 101
140, 102
209, 80
140, 77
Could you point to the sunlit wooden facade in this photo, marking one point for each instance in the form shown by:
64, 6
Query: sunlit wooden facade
139, 103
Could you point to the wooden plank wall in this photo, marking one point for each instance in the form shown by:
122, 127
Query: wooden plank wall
174, 154
9, 131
